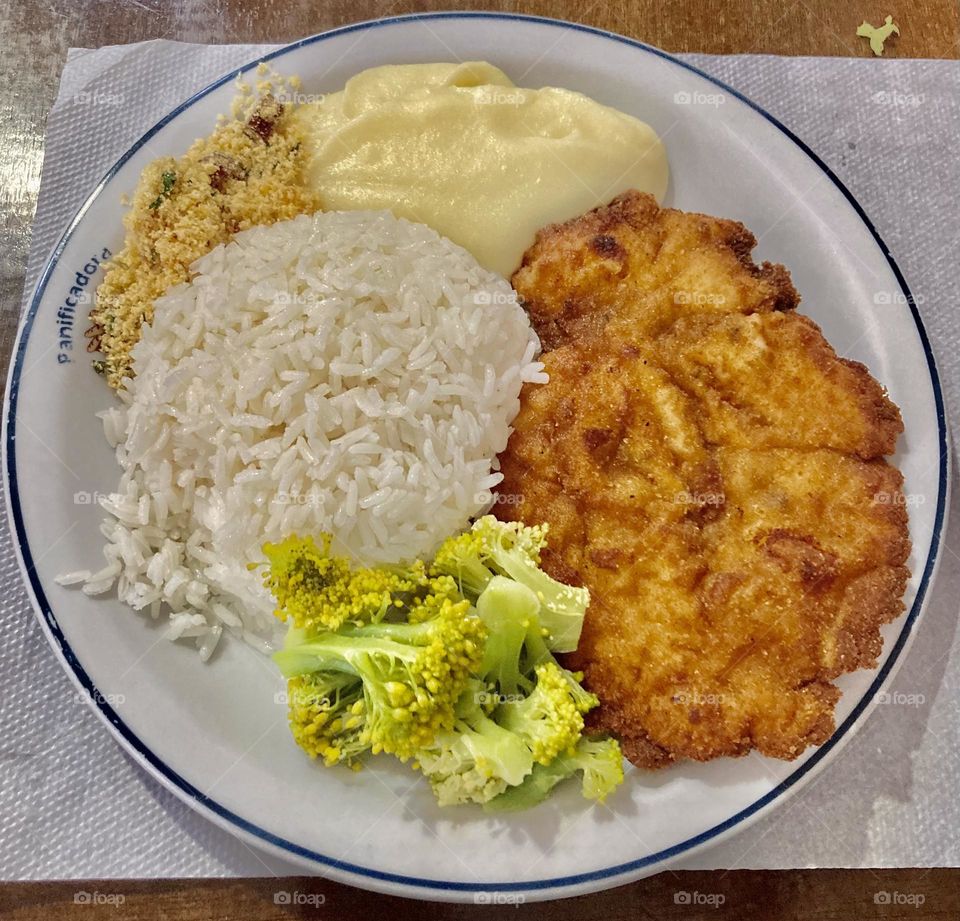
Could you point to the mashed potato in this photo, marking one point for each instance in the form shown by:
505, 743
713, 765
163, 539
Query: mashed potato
481, 161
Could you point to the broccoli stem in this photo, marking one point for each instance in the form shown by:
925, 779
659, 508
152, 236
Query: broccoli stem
412, 634
509, 611
472, 576
500, 750
339, 652
600, 760
535, 788
561, 606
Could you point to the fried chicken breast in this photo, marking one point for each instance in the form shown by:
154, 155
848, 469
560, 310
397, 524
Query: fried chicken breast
714, 473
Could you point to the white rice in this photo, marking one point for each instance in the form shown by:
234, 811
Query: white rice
343, 372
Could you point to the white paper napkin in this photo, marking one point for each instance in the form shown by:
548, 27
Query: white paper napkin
73, 805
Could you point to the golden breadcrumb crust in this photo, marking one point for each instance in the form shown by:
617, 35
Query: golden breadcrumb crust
714, 473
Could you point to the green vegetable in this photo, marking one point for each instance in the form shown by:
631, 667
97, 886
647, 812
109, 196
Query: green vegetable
600, 761
451, 664
167, 182
476, 759
517, 644
510, 612
495, 743
548, 720
511, 549
413, 645
316, 591
327, 716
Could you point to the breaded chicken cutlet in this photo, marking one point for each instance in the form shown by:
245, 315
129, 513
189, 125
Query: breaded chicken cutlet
714, 473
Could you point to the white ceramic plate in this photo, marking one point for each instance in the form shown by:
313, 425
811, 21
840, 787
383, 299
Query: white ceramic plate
215, 735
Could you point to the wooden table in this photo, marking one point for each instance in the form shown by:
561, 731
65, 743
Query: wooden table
35, 37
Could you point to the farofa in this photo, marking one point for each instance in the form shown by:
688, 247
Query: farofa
248, 171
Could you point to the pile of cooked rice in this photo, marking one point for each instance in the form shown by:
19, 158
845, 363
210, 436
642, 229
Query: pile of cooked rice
347, 372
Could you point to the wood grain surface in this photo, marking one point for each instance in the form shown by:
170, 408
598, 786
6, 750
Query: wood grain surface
740, 895
34, 38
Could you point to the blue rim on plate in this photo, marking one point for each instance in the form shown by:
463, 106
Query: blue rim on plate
439, 886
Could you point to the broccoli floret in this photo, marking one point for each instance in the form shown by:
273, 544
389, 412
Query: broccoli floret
326, 714
315, 590
476, 759
599, 760
396, 659
412, 673
548, 720
487, 753
410, 640
509, 611
511, 549
584, 700
516, 645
